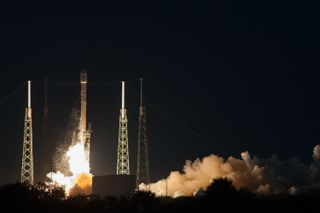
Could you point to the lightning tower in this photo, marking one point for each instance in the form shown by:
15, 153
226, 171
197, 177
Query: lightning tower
123, 148
27, 151
143, 175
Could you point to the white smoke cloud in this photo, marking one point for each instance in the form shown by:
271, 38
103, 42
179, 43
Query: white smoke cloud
316, 153
263, 176
315, 167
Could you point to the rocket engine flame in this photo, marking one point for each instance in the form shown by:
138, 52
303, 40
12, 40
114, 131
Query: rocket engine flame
78, 162
80, 180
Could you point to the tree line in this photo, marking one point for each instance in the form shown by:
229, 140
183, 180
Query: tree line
221, 195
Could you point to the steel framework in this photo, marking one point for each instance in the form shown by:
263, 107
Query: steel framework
123, 147
27, 151
143, 173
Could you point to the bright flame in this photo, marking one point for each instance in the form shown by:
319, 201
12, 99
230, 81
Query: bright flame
80, 180
78, 162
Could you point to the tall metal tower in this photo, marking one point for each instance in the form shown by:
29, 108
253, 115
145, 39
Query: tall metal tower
123, 148
27, 152
143, 173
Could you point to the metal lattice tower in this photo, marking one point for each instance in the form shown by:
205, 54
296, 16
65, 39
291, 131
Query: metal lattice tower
143, 173
123, 147
27, 152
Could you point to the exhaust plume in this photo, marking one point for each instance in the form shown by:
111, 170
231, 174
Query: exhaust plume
262, 176
80, 179
72, 163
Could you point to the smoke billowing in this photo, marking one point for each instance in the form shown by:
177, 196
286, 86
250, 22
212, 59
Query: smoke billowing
83, 185
263, 176
72, 161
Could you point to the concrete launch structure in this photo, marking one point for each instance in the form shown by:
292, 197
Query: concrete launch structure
113, 185
27, 151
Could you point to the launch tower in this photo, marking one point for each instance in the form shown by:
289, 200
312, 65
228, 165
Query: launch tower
27, 151
123, 148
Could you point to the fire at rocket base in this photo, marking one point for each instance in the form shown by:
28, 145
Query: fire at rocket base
78, 153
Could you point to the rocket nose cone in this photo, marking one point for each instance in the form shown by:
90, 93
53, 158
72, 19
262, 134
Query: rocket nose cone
83, 76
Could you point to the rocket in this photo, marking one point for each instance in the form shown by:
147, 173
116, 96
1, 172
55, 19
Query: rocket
83, 110
84, 133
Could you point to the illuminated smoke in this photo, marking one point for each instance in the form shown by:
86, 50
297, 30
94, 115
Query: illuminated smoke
80, 180
262, 176
315, 167
78, 162
83, 185
72, 163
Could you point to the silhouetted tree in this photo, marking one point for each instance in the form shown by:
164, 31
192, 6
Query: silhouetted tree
144, 202
221, 195
23, 196
45, 191
221, 187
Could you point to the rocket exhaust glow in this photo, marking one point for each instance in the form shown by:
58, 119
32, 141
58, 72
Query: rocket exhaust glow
78, 153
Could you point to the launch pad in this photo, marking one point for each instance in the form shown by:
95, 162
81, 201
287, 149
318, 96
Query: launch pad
78, 153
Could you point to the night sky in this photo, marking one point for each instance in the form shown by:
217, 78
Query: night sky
220, 77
